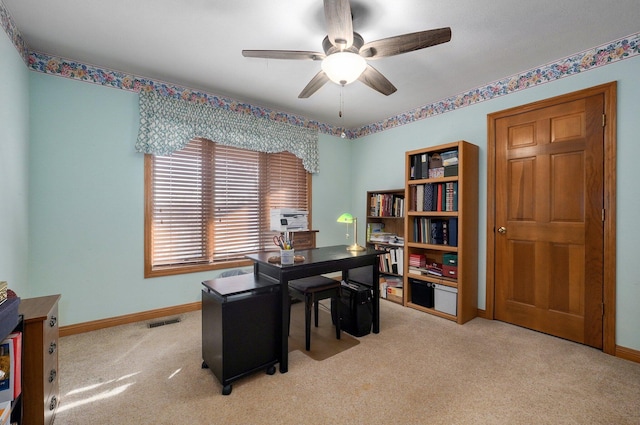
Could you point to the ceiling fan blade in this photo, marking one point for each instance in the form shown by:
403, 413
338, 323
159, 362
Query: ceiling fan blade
337, 13
316, 82
283, 54
374, 79
405, 43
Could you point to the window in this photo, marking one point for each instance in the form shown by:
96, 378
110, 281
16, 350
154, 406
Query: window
207, 205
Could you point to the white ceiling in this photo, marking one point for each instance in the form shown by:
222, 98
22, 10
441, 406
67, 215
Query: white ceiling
197, 44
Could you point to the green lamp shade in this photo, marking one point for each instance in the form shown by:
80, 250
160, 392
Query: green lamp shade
345, 218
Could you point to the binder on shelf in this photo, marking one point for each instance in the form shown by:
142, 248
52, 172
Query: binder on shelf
417, 168
453, 231
424, 166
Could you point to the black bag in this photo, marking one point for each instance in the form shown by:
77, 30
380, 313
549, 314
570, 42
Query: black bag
356, 309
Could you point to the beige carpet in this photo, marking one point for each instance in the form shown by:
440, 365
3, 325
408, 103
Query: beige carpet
419, 369
323, 338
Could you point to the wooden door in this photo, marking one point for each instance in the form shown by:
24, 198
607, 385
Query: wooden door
549, 213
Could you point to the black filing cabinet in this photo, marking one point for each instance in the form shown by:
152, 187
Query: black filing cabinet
241, 319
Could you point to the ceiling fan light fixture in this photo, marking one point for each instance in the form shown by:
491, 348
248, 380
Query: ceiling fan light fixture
343, 67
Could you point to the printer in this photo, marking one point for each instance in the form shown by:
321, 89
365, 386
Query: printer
289, 219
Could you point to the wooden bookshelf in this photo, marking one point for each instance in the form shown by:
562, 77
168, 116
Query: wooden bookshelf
385, 210
430, 230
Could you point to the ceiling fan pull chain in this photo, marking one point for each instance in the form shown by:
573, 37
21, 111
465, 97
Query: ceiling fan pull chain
341, 114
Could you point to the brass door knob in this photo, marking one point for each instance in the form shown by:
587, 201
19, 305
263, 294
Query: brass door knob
502, 230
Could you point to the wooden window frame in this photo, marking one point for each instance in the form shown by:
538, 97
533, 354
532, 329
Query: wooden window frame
157, 271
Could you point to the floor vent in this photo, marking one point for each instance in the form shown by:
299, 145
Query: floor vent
163, 322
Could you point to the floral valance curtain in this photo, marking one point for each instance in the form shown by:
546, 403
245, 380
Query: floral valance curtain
167, 125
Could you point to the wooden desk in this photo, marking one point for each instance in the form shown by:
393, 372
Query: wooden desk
317, 261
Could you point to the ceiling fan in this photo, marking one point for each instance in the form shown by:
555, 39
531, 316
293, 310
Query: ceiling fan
345, 53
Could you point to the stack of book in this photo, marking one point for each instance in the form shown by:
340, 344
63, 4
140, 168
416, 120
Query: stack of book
382, 237
434, 269
417, 264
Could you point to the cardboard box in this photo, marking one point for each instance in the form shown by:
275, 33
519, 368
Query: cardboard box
446, 299
436, 172
450, 271
422, 292
451, 170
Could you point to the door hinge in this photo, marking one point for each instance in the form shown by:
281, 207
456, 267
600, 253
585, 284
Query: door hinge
604, 120
602, 305
603, 214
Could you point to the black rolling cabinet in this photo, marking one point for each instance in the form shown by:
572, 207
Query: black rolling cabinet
240, 327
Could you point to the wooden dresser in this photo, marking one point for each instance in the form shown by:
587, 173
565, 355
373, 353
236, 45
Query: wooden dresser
40, 389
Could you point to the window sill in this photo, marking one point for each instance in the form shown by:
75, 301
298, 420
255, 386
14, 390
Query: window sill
175, 270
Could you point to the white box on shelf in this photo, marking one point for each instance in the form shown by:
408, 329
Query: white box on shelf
446, 299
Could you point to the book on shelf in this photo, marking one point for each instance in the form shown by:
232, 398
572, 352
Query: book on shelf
391, 261
16, 339
453, 231
7, 370
374, 228
417, 260
394, 281
11, 367
420, 197
5, 412
436, 231
434, 197
386, 205
381, 237
434, 269
394, 292
3, 291
417, 270
386, 238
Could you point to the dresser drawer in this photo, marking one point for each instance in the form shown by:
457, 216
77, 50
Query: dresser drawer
51, 406
50, 372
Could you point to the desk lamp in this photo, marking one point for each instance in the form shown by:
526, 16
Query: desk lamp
348, 219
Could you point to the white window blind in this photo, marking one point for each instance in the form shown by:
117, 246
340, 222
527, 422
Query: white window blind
210, 202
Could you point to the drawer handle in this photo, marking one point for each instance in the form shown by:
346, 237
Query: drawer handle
52, 375
53, 321
53, 403
52, 348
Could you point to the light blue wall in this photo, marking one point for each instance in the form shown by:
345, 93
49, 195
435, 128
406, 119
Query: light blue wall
86, 203
330, 191
380, 158
14, 151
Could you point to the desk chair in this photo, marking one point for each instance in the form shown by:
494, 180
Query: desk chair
310, 290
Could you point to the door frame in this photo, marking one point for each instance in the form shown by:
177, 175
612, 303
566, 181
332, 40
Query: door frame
609, 284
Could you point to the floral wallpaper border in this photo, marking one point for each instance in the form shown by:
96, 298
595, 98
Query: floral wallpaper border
614, 51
